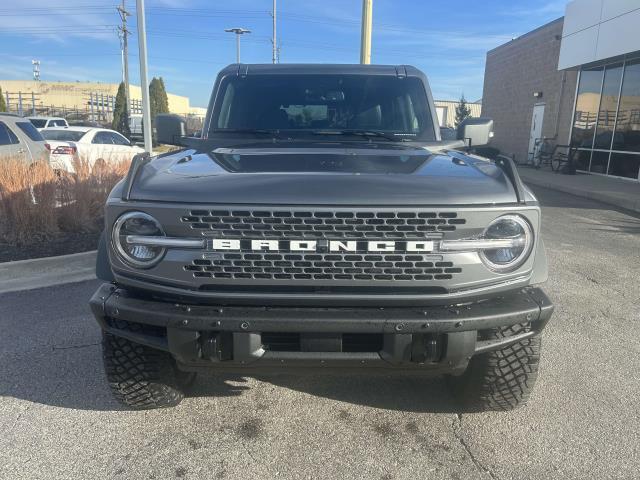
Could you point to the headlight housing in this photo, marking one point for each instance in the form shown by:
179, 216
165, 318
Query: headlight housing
516, 235
129, 232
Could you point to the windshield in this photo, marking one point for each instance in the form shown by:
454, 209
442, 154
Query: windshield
63, 135
38, 122
315, 103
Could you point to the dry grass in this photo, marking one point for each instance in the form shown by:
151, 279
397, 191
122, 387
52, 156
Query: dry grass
37, 203
27, 196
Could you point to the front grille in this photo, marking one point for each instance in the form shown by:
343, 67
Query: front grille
323, 266
295, 224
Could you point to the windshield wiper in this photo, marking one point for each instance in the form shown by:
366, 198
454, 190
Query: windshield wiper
361, 133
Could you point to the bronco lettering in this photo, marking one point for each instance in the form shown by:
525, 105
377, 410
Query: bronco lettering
217, 244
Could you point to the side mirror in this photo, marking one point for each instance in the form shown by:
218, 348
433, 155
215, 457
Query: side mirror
170, 128
475, 131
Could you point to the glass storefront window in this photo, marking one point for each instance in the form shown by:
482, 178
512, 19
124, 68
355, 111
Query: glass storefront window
606, 125
587, 103
628, 126
581, 159
608, 108
599, 162
624, 165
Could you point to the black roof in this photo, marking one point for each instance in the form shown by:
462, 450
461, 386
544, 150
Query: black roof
321, 68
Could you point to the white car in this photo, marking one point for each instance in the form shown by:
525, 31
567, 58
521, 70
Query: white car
87, 144
48, 122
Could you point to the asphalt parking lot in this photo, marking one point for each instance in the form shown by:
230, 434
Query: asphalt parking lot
58, 420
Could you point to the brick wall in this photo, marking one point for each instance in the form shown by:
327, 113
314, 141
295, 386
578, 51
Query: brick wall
513, 72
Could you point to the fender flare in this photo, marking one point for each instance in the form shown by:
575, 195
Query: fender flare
103, 267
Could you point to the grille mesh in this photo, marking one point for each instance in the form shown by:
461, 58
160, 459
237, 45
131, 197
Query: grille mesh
321, 224
323, 266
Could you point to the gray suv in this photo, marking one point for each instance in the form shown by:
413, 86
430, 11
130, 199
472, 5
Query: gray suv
320, 224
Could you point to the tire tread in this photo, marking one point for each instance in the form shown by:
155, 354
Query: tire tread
141, 377
501, 379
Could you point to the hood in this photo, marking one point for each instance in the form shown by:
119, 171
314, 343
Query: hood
323, 174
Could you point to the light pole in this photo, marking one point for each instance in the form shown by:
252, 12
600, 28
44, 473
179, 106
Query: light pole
238, 31
144, 81
365, 40
274, 40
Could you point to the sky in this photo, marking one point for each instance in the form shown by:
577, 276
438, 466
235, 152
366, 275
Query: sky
187, 45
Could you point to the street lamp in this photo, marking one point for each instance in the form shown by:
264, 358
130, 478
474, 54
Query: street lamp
238, 31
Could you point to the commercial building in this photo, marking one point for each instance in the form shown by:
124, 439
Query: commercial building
40, 97
446, 110
574, 81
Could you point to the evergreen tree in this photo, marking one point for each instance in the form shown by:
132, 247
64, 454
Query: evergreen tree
158, 101
163, 100
121, 113
462, 110
153, 101
3, 105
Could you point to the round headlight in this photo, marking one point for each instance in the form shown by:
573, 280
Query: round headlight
128, 235
517, 233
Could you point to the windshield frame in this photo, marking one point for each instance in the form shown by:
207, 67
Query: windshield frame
430, 133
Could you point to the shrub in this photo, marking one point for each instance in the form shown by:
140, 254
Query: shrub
37, 203
83, 194
27, 200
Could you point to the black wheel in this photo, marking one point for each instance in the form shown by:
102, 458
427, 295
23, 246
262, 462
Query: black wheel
141, 377
501, 379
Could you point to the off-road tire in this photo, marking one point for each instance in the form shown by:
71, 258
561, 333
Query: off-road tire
140, 377
501, 379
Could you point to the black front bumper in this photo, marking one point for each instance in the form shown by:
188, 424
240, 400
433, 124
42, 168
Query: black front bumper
234, 338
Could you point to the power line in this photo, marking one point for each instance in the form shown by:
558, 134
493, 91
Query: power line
58, 28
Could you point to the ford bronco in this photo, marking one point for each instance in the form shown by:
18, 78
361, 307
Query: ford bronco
320, 224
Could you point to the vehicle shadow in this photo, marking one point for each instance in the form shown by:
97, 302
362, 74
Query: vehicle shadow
82, 385
74, 379
400, 393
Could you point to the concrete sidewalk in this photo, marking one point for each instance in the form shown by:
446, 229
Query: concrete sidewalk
613, 191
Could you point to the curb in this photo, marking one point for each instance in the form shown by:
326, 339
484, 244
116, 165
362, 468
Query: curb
47, 272
629, 204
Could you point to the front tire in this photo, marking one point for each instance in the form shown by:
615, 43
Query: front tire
140, 377
501, 379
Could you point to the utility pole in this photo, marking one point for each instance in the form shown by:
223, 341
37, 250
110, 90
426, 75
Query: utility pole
144, 81
274, 40
365, 40
124, 32
238, 31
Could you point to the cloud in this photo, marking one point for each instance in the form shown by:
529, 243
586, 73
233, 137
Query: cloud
440, 40
40, 22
